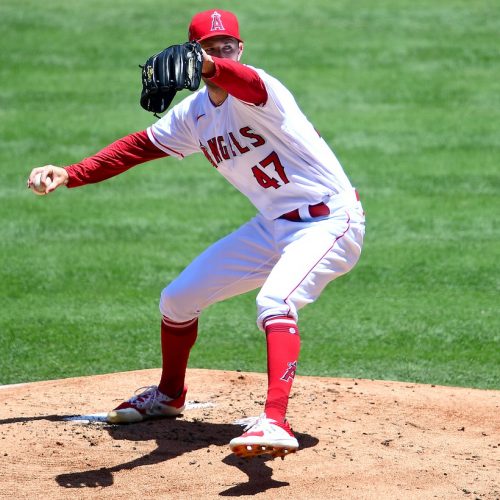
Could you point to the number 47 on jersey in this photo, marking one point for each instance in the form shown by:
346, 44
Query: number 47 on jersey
266, 171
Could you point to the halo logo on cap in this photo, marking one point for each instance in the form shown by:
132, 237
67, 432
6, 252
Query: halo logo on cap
217, 22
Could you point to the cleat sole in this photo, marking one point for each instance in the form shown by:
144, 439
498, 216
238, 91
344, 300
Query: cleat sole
255, 450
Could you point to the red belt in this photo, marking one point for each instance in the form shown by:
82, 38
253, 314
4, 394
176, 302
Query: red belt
315, 211
318, 210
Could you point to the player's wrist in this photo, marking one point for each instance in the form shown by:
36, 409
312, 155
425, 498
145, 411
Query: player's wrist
208, 68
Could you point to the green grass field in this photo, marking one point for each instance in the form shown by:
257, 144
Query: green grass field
406, 92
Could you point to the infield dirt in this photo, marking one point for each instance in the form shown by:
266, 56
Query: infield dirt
358, 439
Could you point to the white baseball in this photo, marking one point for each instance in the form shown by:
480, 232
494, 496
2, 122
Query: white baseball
37, 186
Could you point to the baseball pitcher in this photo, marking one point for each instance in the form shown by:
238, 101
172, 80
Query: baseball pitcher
308, 229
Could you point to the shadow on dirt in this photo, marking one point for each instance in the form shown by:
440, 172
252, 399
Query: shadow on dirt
259, 474
174, 438
21, 420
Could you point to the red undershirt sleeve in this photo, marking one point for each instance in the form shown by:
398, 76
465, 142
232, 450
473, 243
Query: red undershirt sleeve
239, 80
114, 159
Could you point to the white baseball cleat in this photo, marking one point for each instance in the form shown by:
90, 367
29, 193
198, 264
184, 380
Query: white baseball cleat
264, 436
148, 404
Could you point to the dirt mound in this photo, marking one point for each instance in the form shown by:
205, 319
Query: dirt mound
358, 439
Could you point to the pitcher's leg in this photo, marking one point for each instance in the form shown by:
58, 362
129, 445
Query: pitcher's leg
229, 267
236, 264
312, 256
270, 433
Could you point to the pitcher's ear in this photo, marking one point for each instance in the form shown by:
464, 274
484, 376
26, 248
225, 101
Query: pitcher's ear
240, 50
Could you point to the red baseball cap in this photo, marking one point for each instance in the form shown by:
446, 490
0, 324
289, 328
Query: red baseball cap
210, 23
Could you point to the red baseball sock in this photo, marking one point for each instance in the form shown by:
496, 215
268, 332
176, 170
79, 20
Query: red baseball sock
177, 339
283, 347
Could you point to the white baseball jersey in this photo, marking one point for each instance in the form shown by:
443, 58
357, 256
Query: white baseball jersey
270, 153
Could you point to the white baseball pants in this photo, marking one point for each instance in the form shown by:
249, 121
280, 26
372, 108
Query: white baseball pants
291, 262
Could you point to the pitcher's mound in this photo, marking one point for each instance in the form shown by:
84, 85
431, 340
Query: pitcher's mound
358, 439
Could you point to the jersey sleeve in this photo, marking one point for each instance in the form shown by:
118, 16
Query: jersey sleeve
239, 80
114, 159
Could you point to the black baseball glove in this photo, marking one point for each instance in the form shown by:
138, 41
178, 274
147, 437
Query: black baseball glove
175, 68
